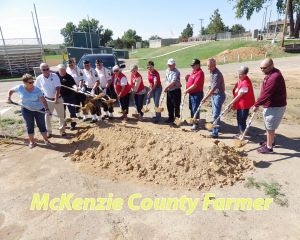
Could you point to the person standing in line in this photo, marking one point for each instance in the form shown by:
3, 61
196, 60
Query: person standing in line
50, 85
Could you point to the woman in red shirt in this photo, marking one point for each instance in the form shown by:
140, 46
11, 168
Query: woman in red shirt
243, 98
138, 88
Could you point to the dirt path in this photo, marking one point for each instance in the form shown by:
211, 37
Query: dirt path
24, 172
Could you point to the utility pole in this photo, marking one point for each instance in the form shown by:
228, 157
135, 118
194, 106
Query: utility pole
192, 24
201, 20
38, 25
287, 2
6, 54
90, 34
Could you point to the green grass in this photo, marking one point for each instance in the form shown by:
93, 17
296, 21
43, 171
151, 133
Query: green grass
12, 127
54, 60
183, 58
270, 189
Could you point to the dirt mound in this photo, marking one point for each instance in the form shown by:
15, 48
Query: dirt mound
244, 53
165, 157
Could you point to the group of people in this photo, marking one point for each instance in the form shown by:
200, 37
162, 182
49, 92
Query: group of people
71, 87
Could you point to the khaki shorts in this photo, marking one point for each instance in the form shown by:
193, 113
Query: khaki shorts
273, 116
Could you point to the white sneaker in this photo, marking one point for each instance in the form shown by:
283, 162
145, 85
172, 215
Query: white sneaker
99, 118
195, 127
111, 115
78, 115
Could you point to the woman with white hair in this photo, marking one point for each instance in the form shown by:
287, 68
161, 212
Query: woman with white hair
67, 95
138, 89
243, 98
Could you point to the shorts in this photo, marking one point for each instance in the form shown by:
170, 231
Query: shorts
273, 116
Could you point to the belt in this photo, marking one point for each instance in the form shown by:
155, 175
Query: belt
52, 99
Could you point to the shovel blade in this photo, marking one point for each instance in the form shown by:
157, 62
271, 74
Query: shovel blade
159, 109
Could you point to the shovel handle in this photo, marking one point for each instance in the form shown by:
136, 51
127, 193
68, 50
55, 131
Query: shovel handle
248, 126
162, 99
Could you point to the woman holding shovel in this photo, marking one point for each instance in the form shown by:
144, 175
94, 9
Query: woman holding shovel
194, 87
32, 99
138, 88
243, 99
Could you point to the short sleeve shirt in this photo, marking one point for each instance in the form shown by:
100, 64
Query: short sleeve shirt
173, 76
90, 77
76, 73
217, 81
48, 85
30, 99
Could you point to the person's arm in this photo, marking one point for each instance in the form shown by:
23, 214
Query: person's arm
108, 77
97, 83
44, 102
10, 93
123, 83
267, 90
172, 77
137, 84
212, 88
57, 88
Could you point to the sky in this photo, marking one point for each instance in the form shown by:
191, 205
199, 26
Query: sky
164, 18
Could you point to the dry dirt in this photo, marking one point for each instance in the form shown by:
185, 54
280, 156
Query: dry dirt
244, 53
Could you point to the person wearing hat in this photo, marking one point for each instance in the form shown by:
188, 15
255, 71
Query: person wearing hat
90, 84
105, 85
216, 92
155, 87
77, 75
138, 89
122, 89
194, 87
243, 100
67, 94
173, 90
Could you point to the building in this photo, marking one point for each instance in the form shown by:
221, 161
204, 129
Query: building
157, 43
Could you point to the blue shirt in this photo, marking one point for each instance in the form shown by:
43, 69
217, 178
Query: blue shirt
30, 99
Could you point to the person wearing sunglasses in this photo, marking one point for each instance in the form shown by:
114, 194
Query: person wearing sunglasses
32, 99
50, 85
273, 100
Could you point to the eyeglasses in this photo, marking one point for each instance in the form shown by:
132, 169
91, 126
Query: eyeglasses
45, 69
31, 82
263, 68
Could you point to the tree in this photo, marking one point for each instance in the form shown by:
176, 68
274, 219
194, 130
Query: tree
106, 37
67, 33
118, 43
90, 25
216, 24
237, 29
187, 32
154, 37
130, 38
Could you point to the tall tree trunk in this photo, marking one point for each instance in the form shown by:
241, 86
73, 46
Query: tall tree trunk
291, 17
297, 25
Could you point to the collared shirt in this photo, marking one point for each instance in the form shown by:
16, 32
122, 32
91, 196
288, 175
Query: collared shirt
90, 77
154, 77
217, 81
197, 79
68, 81
30, 99
173, 76
76, 73
48, 85
104, 75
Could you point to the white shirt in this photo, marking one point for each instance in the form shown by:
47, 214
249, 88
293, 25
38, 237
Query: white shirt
76, 73
90, 77
104, 76
48, 85
242, 90
123, 81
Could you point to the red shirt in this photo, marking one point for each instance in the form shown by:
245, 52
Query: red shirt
273, 91
247, 100
134, 77
196, 78
117, 84
151, 76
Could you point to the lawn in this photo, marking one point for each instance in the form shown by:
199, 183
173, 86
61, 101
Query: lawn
54, 60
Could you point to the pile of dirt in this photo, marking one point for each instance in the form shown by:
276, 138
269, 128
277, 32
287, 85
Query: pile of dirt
244, 53
160, 156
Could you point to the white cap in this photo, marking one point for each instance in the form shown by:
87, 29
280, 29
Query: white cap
116, 67
171, 61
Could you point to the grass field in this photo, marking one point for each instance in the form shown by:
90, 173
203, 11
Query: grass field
183, 58
54, 60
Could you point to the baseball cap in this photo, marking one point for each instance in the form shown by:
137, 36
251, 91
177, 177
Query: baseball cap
171, 61
86, 62
99, 61
195, 61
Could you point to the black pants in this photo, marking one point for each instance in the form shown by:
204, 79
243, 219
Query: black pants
80, 100
139, 103
242, 115
96, 109
125, 103
70, 98
173, 103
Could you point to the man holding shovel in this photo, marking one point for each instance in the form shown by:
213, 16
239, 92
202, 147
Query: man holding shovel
217, 93
194, 87
173, 90
273, 99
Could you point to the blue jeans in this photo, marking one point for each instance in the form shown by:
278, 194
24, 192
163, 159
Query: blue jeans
194, 102
241, 116
139, 102
30, 116
217, 102
156, 97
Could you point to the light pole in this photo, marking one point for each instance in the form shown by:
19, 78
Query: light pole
201, 20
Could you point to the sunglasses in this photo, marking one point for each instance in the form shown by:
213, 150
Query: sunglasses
116, 70
45, 69
31, 82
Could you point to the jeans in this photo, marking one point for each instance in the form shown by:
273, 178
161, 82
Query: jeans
173, 103
30, 116
139, 102
156, 97
124, 101
217, 102
241, 116
194, 102
70, 98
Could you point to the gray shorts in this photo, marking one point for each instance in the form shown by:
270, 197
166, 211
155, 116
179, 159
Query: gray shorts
272, 117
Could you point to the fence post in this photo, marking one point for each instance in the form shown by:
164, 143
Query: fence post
238, 57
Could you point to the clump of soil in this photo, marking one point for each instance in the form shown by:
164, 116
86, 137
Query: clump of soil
244, 53
160, 156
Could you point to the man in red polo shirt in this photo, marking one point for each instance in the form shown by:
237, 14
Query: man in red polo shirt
194, 87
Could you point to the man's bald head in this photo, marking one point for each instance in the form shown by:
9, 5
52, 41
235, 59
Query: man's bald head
267, 65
